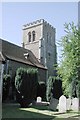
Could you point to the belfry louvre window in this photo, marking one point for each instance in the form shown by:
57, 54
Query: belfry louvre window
33, 35
29, 36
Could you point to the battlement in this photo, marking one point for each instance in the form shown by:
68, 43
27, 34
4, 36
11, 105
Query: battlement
35, 23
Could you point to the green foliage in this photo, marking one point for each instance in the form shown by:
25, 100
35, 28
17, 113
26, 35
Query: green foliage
49, 88
26, 82
32, 71
6, 85
19, 76
54, 88
69, 69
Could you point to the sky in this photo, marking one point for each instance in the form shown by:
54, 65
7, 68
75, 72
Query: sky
16, 14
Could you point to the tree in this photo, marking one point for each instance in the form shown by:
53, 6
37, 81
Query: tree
49, 88
54, 88
26, 82
69, 69
6, 86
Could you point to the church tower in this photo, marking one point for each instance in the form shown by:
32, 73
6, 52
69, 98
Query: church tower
39, 37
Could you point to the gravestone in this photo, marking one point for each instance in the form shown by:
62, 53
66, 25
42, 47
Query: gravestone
75, 104
39, 99
68, 104
53, 104
62, 104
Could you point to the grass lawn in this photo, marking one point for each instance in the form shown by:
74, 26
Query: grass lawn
14, 111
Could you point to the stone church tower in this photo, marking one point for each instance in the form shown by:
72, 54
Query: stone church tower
39, 37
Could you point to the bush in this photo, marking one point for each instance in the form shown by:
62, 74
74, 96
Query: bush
54, 88
57, 89
26, 82
6, 86
49, 88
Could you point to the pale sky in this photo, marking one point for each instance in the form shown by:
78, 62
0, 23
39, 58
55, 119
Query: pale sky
16, 14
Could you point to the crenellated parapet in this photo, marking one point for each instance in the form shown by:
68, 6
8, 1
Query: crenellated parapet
35, 23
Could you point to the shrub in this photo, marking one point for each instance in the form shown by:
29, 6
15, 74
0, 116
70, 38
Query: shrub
26, 85
49, 88
54, 88
57, 88
6, 86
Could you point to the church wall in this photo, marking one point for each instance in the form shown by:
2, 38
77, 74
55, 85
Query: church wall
13, 66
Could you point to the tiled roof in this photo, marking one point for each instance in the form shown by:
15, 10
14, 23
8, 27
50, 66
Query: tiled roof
17, 53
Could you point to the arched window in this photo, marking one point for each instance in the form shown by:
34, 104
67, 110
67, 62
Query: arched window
33, 35
29, 36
